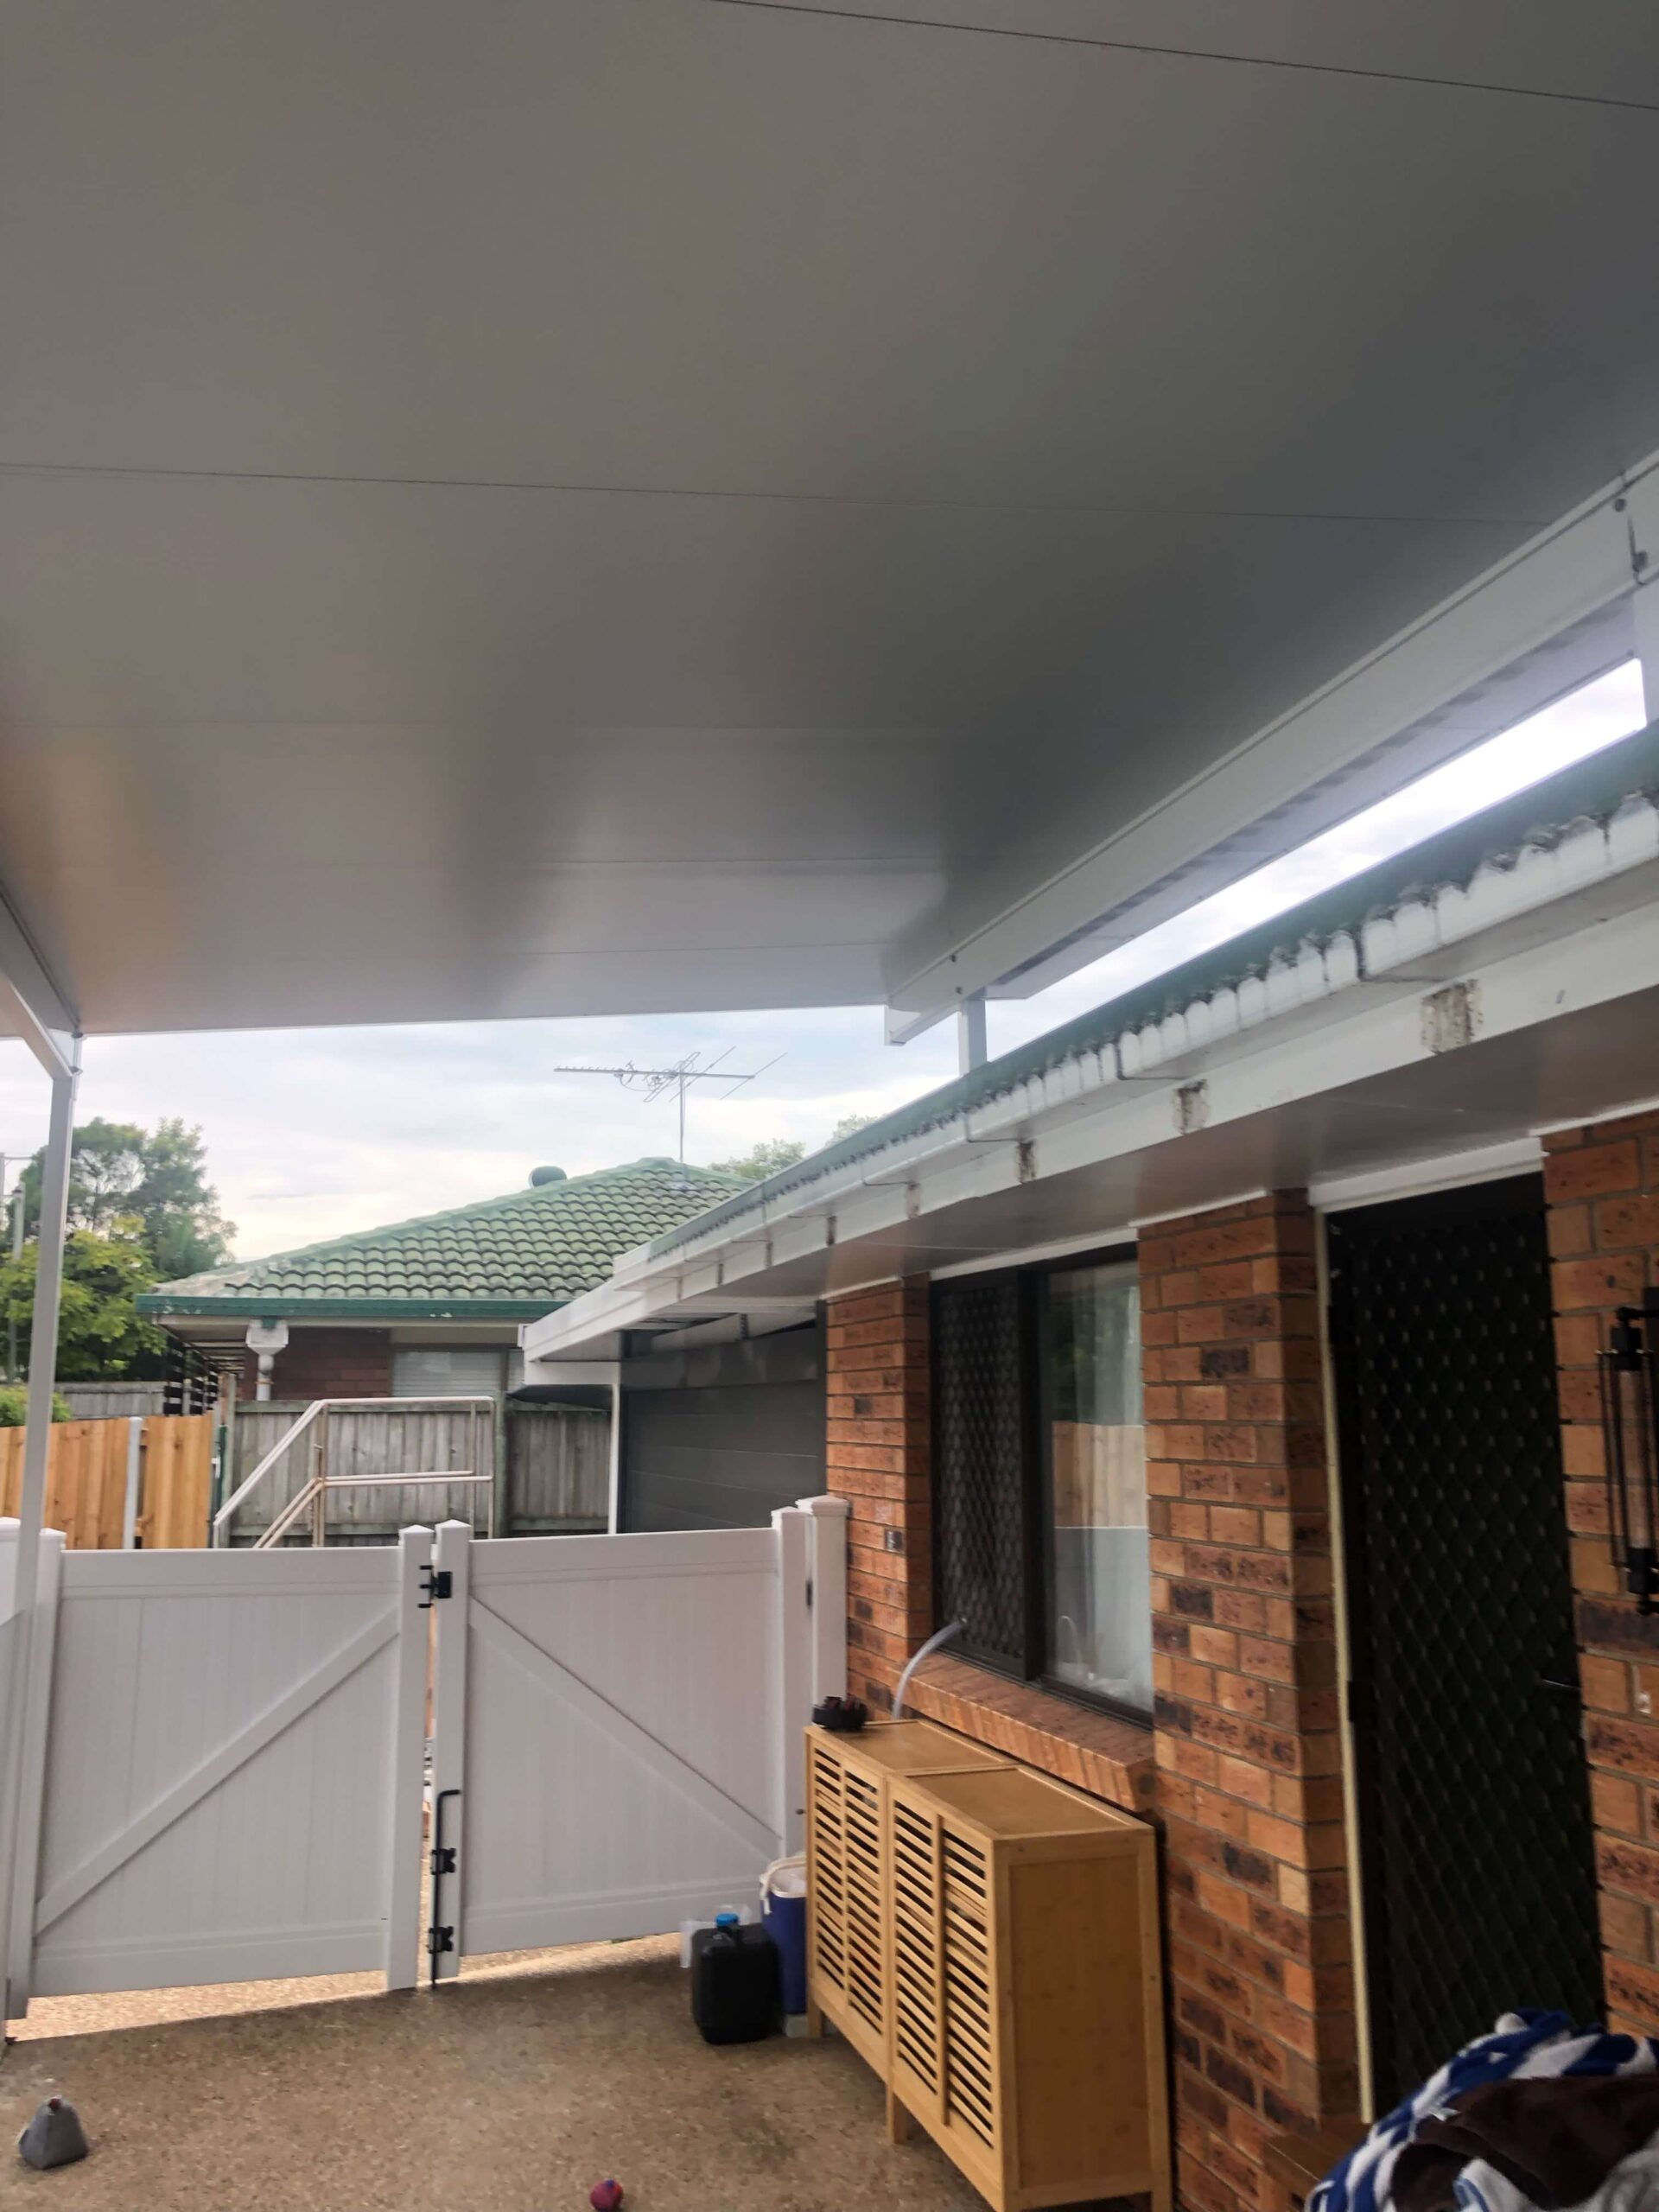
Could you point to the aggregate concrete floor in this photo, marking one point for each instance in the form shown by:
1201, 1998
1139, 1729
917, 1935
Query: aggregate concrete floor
512, 2091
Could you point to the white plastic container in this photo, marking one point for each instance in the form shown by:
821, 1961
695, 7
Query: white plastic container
689, 1928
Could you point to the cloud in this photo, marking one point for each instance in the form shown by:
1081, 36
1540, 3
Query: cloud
313, 1133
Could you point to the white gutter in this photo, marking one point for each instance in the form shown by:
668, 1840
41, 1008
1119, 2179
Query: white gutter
1560, 927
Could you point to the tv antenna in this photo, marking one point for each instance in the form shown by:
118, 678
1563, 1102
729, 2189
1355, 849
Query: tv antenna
653, 1082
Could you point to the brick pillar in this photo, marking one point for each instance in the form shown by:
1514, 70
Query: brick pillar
876, 1458
1248, 1743
1602, 1184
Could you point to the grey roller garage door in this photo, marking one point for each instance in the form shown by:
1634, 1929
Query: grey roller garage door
719, 1438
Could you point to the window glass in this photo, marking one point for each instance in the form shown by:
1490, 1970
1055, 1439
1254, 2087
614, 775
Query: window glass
443, 1371
1099, 1595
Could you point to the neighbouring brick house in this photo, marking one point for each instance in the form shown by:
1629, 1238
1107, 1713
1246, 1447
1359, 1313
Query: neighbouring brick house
433, 1304
1225, 1363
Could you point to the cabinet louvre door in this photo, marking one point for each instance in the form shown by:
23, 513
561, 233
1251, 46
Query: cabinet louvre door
1026, 2023
826, 1877
861, 1816
916, 1969
970, 2011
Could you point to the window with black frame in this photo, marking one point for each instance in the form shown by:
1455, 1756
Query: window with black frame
1039, 1476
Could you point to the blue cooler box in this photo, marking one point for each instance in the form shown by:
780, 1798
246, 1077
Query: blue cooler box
783, 1911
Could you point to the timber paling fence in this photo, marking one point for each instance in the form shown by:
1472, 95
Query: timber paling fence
148, 1483
550, 1467
144, 1483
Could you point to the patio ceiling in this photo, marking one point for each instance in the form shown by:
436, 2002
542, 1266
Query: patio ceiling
605, 505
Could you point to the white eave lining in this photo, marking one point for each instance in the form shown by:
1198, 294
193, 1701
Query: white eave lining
1136, 1091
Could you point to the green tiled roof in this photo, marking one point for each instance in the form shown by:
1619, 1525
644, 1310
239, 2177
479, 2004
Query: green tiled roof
511, 1258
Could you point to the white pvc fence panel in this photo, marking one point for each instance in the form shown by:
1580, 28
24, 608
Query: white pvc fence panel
218, 1762
231, 1788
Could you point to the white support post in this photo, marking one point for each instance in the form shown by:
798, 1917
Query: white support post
970, 1034
23, 1675
31, 1789
406, 1764
43, 1330
134, 1476
790, 1526
13, 1654
453, 1558
827, 1570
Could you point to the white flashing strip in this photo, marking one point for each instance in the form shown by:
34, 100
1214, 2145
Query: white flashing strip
1579, 566
1102, 1240
1594, 1121
1415, 1179
1362, 1004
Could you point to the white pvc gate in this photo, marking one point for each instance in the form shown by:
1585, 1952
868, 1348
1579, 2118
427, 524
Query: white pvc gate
221, 1765
227, 1785
616, 1719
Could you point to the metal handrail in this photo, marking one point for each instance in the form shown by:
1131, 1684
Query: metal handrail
320, 1485
319, 1405
222, 1517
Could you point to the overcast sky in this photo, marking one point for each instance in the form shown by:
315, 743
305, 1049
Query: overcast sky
312, 1132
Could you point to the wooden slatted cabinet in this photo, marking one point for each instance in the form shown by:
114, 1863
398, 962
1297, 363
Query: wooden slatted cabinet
846, 1820
1026, 2028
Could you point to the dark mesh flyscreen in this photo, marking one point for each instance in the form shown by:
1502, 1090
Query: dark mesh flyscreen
1476, 1834
978, 1448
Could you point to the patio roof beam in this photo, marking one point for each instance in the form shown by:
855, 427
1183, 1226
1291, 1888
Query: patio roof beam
1383, 721
31, 1004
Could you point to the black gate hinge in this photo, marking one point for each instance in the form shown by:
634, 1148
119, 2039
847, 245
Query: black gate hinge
436, 1582
442, 1859
440, 1939
808, 1592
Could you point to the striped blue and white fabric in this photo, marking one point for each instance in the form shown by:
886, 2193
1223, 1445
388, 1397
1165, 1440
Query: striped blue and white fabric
1522, 2044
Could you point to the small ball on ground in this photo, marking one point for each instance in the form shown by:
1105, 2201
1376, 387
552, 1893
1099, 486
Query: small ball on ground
606, 2196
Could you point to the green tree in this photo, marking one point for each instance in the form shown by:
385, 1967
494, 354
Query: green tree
100, 1331
770, 1157
149, 1186
14, 1406
850, 1125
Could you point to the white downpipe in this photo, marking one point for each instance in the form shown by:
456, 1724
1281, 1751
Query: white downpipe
939, 1636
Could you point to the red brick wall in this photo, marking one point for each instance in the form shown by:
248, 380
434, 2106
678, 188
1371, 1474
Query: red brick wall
1602, 1186
325, 1363
1248, 1784
876, 1456
1248, 1736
